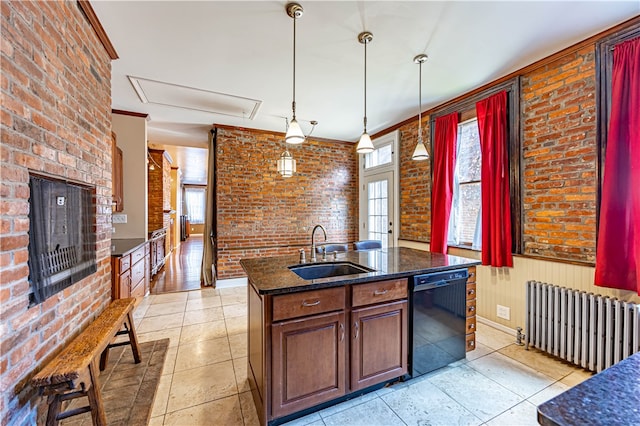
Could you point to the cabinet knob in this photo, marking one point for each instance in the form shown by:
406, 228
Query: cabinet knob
472, 308
472, 291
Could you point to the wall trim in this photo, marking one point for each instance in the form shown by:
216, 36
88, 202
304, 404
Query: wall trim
496, 325
91, 16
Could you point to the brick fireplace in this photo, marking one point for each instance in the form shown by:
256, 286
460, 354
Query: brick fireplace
56, 121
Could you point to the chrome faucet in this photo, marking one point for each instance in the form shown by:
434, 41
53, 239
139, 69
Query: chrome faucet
313, 241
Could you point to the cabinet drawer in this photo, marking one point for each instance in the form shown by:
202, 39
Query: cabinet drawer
471, 342
137, 255
471, 325
471, 291
471, 307
137, 273
380, 291
137, 289
472, 275
125, 262
307, 303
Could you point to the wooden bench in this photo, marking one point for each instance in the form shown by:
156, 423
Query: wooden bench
73, 373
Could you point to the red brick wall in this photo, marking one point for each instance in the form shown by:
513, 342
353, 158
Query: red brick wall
415, 185
55, 118
559, 158
261, 213
159, 192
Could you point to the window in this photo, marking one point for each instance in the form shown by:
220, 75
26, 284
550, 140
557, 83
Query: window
379, 157
467, 111
194, 199
465, 223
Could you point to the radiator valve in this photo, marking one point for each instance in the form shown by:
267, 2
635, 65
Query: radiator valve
519, 337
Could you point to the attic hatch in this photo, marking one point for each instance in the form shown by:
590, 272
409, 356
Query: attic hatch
62, 239
175, 95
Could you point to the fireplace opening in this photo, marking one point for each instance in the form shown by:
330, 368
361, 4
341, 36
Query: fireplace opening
62, 239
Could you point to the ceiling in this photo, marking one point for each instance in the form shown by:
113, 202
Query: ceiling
235, 57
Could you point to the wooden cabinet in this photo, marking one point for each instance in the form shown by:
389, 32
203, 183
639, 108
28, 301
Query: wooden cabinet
471, 310
117, 178
129, 274
307, 348
379, 344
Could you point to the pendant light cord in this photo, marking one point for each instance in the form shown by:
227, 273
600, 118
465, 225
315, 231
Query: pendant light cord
365, 86
420, 103
293, 104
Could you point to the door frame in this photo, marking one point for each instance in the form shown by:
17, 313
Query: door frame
394, 168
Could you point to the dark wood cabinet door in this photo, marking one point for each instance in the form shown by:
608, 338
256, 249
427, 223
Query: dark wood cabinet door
378, 344
117, 172
125, 285
308, 362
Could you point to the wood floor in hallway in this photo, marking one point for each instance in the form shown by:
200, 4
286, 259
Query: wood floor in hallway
181, 271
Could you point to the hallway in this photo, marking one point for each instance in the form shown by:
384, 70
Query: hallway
181, 271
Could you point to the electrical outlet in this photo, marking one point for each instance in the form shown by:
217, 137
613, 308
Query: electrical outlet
503, 312
119, 218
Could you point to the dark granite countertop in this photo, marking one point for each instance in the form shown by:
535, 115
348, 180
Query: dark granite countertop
611, 397
120, 247
271, 275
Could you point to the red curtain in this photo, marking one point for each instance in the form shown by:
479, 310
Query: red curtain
444, 159
496, 204
618, 251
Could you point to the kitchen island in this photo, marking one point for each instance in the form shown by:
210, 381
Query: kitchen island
316, 342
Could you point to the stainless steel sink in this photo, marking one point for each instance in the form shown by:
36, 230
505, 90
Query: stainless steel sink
328, 269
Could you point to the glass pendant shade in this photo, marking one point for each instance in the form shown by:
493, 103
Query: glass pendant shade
294, 133
420, 153
365, 146
286, 165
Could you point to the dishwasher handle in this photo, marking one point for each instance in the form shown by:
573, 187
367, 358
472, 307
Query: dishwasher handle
435, 284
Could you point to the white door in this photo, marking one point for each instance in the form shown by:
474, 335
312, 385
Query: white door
377, 217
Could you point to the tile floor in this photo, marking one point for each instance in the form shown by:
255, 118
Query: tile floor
204, 378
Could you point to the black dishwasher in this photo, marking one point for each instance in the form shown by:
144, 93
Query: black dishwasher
438, 320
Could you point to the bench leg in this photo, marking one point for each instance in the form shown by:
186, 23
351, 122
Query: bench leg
54, 409
133, 339
95, 398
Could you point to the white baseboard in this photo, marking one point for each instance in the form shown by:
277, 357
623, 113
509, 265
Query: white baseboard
496, 325
232, 282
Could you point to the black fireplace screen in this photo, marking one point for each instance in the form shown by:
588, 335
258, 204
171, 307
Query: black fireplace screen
62, 240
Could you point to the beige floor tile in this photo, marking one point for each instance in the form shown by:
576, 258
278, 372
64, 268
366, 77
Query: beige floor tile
203, 384
202, 352
370, 413
204, 331
203, 292
308, 420
576, 377
233, 296
249, 413
149, 324
240, 367
239, 310
169, 297
238, 343
523, 414
236, 325
511, 374
156, 421
547, 393
162, 396
480, 351
170, 360
203, 315
165, 308
221, 412
539, 361
204, 303
492, 337
173, 334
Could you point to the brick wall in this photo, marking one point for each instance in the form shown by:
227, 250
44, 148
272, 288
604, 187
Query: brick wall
415, 185
261, 213
159, 192
56, 119
559, 158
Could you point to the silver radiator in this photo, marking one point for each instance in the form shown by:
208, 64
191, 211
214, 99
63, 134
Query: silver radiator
588, 330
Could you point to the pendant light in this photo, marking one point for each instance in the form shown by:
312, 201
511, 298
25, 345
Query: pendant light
420, 153
365, 145
294, 131
286, 165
